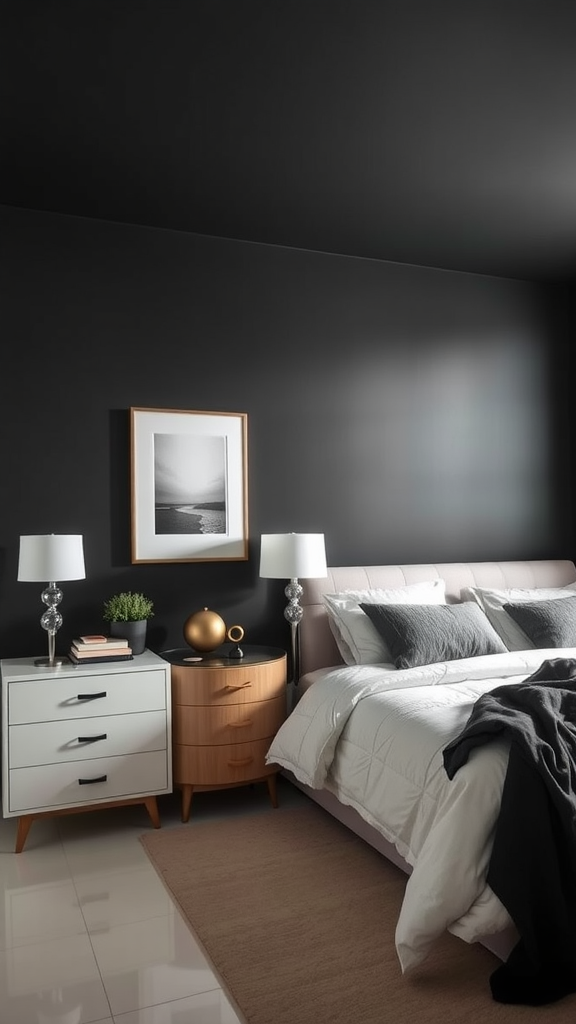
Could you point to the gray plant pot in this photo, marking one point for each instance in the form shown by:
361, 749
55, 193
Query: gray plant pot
133, 632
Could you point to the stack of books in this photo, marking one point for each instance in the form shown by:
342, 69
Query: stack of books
94, 649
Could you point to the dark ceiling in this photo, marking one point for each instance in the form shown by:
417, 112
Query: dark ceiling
436, 133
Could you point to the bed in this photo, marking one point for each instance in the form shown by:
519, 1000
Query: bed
366, 741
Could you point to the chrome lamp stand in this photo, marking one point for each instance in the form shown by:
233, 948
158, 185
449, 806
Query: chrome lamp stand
293, 613
51, 621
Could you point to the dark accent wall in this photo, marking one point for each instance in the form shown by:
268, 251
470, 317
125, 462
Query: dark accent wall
407, 413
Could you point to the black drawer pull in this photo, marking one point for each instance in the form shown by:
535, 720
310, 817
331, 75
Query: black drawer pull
92, 739
91, 696
90, 782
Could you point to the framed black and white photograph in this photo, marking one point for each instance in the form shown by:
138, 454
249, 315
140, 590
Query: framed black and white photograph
188, 485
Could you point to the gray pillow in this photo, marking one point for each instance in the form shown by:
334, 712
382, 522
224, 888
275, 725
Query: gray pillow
546, 623
424, 634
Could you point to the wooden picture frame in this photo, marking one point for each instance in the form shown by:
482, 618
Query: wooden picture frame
189, 491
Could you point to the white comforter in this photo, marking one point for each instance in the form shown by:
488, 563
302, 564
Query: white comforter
375, 737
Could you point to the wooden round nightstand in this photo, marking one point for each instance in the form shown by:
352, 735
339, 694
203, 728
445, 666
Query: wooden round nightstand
225, 713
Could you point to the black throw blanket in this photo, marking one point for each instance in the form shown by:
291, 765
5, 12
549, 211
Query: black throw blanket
532, 869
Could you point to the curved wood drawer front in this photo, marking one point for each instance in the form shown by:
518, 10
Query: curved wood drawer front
206, 726
239, 685
217, 766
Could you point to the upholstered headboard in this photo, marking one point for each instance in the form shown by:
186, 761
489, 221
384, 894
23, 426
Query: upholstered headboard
317, 646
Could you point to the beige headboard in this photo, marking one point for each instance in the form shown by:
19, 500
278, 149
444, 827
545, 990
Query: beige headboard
317, 646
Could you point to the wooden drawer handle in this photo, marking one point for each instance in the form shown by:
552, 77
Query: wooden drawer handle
240, 764
90, 782
240, 686
241, 725
93, 739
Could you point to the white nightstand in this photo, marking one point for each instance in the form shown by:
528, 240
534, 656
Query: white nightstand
75, 738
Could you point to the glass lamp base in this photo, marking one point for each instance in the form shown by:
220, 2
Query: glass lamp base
51, 622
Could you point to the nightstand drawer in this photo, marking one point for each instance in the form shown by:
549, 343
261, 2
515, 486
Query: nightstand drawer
81, 739
83, 695
222, 765
104, 778
204, 726
230, 685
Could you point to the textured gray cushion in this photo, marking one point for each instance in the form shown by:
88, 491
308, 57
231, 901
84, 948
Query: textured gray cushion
546, 623
424, 634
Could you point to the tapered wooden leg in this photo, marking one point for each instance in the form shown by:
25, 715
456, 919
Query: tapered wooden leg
151, 805
24, 824
187, 792
271, 783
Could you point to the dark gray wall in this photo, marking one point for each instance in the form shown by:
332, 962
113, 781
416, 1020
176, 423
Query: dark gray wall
409, 414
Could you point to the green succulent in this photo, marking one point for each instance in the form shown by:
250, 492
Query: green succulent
127, 607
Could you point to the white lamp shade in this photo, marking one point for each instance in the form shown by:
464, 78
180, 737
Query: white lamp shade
293, 556
51, 558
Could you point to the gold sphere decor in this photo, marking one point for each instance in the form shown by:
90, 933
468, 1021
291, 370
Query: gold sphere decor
205, 630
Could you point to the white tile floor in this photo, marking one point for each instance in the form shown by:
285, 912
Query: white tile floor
89, 933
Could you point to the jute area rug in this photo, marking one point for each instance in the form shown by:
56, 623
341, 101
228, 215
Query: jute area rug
297, 916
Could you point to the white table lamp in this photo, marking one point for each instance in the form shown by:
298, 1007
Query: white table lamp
45, 559
293, 556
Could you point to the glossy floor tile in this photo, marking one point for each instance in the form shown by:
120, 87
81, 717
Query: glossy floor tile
89, 935
125, 897
57, 981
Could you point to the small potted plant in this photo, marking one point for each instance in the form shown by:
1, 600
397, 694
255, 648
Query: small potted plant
128, 614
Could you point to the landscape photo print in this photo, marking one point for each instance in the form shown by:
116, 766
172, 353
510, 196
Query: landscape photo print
189, 498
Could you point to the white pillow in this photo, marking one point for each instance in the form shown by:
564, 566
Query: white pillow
357, 639
493, 600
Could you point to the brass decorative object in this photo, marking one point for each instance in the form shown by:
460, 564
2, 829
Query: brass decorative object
235, 635
205, 630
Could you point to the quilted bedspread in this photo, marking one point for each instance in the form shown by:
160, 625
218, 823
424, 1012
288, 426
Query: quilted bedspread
375, 737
